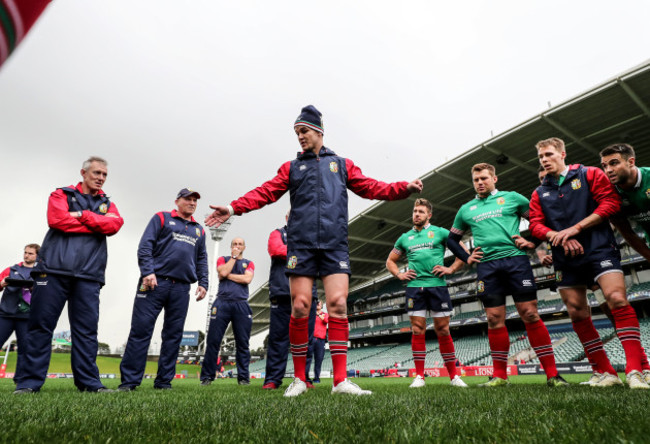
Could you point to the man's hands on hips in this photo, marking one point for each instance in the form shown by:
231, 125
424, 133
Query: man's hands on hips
150, 281
408, 275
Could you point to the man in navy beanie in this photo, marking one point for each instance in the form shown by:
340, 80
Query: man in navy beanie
317, 241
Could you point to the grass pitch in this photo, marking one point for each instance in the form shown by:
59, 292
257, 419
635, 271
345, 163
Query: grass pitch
525, 411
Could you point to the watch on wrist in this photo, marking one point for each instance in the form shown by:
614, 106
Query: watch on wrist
80, 213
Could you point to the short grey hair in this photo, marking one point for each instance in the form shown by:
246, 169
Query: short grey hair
92, 159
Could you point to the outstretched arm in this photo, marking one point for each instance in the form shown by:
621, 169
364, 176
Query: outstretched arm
370, 188
269, 192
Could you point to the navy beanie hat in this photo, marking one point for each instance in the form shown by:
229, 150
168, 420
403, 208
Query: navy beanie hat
311, 118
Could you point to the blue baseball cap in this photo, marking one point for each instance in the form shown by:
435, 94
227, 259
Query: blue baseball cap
187, 192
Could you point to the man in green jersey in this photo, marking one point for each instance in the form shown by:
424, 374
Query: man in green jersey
504, 269
424, 246
633, 185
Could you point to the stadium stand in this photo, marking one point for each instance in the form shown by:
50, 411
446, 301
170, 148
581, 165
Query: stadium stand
379, 327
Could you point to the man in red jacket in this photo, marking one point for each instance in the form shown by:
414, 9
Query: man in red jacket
570, 210
71, 266
16, 299
319, 340
317, 181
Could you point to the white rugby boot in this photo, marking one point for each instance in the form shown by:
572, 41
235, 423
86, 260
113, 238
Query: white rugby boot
646, 376
349, 388
418, 382
608, 380
594, 379
296, 388
635, 381
457, 382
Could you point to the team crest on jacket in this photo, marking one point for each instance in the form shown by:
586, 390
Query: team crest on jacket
214, 311
291, 263
244, 265
334, 167
558, 276
647, 193
198, 232
142, 287
480, 286
431, 234
501, 200
410, 303
103, 208
576, 184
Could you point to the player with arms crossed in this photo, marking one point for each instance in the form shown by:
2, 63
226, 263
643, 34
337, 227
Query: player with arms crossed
569, 209
317, 181
426, 290
503, 268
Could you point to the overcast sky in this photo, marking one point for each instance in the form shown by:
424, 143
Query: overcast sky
203, 94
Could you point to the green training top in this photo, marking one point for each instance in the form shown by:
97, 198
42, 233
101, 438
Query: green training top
424, 250
636, 202
493, 221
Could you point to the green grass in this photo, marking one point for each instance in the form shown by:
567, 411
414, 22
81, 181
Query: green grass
60, 363
525, 411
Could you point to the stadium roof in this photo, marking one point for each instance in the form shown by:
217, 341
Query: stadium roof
618, 110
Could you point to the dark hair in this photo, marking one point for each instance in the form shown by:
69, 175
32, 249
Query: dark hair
34, 246
424, 203
484, 166
626, 151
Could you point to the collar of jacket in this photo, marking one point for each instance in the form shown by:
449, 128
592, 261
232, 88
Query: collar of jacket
310, 154
550, 180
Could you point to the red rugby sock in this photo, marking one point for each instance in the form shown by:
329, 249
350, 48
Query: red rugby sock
448, 354
629, 333
299, 340
593, 345
338, 334
540, 340
418, 347
499, 348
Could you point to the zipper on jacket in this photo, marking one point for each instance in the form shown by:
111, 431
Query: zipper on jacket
318, 176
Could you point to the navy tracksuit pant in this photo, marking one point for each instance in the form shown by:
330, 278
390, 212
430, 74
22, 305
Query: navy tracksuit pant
49, 296
7, 327
174, 298
318, 345
241, 316
278, 343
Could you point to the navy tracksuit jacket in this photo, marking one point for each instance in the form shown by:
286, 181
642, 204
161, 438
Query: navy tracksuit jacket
174, 250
